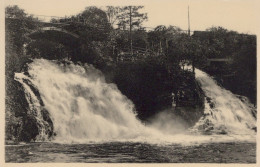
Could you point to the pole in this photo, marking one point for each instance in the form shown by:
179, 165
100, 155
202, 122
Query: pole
192, 63
131, 40
188, 20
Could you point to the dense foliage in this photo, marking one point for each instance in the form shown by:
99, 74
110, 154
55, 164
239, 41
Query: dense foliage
238, 74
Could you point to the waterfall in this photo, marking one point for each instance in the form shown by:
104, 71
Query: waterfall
35, 107
224, 111
81, 104
83, 107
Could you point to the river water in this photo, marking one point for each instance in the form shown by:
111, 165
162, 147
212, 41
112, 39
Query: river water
94, 122
122, 152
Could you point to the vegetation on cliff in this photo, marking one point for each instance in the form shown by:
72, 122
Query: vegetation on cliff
147, 66
239, 73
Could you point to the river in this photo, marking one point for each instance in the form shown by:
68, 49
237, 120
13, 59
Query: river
128, 152
94, 122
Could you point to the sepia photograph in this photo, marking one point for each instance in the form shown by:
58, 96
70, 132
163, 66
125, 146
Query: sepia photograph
170, 81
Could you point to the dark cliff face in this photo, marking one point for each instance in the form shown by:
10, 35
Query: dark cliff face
21, 123
189, 101
151, 86
16, 109
188, 91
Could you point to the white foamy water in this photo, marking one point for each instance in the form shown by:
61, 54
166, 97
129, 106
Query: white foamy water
84, 108
224, 111
81, 105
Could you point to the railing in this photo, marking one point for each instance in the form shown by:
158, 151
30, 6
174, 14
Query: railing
46, 18
138, 54
59, 29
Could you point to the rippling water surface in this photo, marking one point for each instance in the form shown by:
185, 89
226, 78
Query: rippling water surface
119, 152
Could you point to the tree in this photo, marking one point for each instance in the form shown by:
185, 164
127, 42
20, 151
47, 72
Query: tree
221, 43
140, 39
96, 26
19, 25
91, 25
159, 38
14, 12
178, 49
195, 53
95, 17
160, 32
130, 16
112, 14
171, 33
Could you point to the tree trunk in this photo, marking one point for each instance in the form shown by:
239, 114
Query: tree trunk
167, 46
160, 51
193, 67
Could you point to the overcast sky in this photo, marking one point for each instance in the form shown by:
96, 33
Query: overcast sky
238, 15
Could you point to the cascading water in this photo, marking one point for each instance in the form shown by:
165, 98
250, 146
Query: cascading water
224, 111
83, 107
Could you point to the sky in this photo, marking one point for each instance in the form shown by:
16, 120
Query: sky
238, 15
